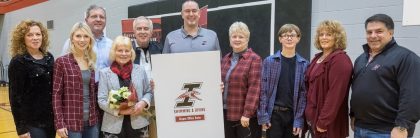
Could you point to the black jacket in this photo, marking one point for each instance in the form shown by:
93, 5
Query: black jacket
30, 92
386, 91
153, 48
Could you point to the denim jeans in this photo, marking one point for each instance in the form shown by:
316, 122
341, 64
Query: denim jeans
37, 132
88, 132
367, 133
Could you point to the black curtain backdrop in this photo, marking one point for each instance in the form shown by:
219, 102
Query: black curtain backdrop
256, 17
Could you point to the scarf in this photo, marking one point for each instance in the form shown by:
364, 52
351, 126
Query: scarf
123, 71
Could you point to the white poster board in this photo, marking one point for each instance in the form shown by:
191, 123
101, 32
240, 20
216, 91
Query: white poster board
188, 99
411, 12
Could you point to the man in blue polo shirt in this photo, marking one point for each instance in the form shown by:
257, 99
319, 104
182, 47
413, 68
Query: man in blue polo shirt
190, 37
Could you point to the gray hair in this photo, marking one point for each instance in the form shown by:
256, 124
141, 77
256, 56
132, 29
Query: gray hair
239, 27
142, 18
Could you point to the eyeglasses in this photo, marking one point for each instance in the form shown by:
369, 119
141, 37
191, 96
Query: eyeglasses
249, 130
285, 36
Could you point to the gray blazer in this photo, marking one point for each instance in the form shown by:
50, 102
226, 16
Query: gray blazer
108, 80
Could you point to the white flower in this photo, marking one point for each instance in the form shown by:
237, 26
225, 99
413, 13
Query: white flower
113, 106
126, 94
111, 98
122, 90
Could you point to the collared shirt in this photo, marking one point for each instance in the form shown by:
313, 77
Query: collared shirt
233, 62
68, 95
270, 78
179, 41
385, 91
143, 59
244, 85
102, 48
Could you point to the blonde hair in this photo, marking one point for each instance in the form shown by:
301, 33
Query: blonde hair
334, 27
239, 27
18, 46
121, 41
88, 54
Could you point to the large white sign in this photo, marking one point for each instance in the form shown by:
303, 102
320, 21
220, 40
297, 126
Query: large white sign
411, 12
187, 95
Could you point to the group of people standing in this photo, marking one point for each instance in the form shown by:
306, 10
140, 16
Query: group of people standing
283, 95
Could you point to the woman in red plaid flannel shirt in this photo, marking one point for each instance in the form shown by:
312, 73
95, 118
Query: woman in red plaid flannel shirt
74, 92
241, 77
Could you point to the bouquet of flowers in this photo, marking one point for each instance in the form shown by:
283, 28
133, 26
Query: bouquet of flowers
122, 98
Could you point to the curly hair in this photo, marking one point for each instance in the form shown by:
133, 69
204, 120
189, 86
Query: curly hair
18, 46
88, 54
334, 27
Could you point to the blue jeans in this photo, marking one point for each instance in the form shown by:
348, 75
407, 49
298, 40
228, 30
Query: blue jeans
88, 132
366, 133
37, 132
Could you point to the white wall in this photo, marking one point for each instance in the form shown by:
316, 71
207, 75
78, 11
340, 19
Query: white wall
352, 14
64, 13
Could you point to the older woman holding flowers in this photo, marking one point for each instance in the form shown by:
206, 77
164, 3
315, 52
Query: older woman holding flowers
122, 119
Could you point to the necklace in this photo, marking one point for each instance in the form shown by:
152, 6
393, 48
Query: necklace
320, 59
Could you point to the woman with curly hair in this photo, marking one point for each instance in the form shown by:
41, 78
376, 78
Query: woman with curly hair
328, 82
30, 76
74, 97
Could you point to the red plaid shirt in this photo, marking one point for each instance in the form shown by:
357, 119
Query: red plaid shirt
68, 95
244, 85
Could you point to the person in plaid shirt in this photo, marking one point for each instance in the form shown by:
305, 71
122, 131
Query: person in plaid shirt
74, 92
283, 93
241, 75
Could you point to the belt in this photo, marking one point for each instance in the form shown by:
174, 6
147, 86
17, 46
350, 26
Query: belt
279, 108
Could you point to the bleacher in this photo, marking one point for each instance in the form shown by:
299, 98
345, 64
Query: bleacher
3, 75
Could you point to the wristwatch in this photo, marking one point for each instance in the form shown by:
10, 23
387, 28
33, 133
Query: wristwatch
401, 129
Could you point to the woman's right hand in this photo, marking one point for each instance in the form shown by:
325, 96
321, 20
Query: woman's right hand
26, 135
127, 111
62, 132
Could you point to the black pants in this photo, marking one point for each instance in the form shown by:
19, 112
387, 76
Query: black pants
234, 129
281, 124
128, 132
